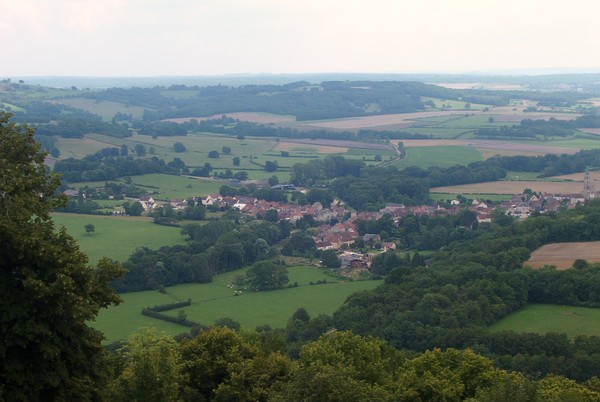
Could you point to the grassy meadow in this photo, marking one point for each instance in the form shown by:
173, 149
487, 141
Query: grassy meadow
443, 156
116, 237
543, 318
180, 187
216, 300
165, 187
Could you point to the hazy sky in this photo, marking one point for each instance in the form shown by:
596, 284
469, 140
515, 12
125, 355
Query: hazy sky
213, 37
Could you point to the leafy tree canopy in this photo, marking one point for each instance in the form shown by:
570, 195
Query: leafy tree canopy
49, 294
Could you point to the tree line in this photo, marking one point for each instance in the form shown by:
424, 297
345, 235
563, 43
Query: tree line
220, 364
110, 164
212, 248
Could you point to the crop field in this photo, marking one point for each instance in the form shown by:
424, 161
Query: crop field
562, 255
389, 121
106, 109
594, 179
116, 237
216, 300
490, 148
512, 187
543, 318
438, 132
442, 156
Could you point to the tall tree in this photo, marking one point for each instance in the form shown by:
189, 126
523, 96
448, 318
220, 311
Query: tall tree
266, 275
49, 294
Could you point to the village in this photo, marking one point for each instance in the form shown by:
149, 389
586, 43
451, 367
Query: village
339, 232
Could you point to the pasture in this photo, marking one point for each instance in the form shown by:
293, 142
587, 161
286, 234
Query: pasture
543, 318
116, 237
168, 187
442, 156
378, 122
165, 187
563, 255
216, 300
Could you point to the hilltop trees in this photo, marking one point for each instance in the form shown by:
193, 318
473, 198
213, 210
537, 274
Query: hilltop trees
49, 294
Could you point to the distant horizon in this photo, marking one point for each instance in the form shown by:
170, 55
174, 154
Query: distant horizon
187, 38
499, 72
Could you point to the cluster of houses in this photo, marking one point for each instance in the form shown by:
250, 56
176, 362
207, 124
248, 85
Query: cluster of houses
291, 212
343, 233
522, 206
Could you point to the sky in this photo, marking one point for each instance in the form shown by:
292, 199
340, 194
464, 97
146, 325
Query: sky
147, 38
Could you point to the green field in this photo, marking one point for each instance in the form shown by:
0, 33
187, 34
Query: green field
116, 237
579, 143
170, 187
216, 300
164, 187
439, 132
543, 318
443, 156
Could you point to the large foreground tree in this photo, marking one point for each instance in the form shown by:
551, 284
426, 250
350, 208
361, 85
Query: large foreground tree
48, 293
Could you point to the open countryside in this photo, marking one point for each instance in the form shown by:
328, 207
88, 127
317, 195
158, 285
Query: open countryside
218, 299
209, 213
116, 237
